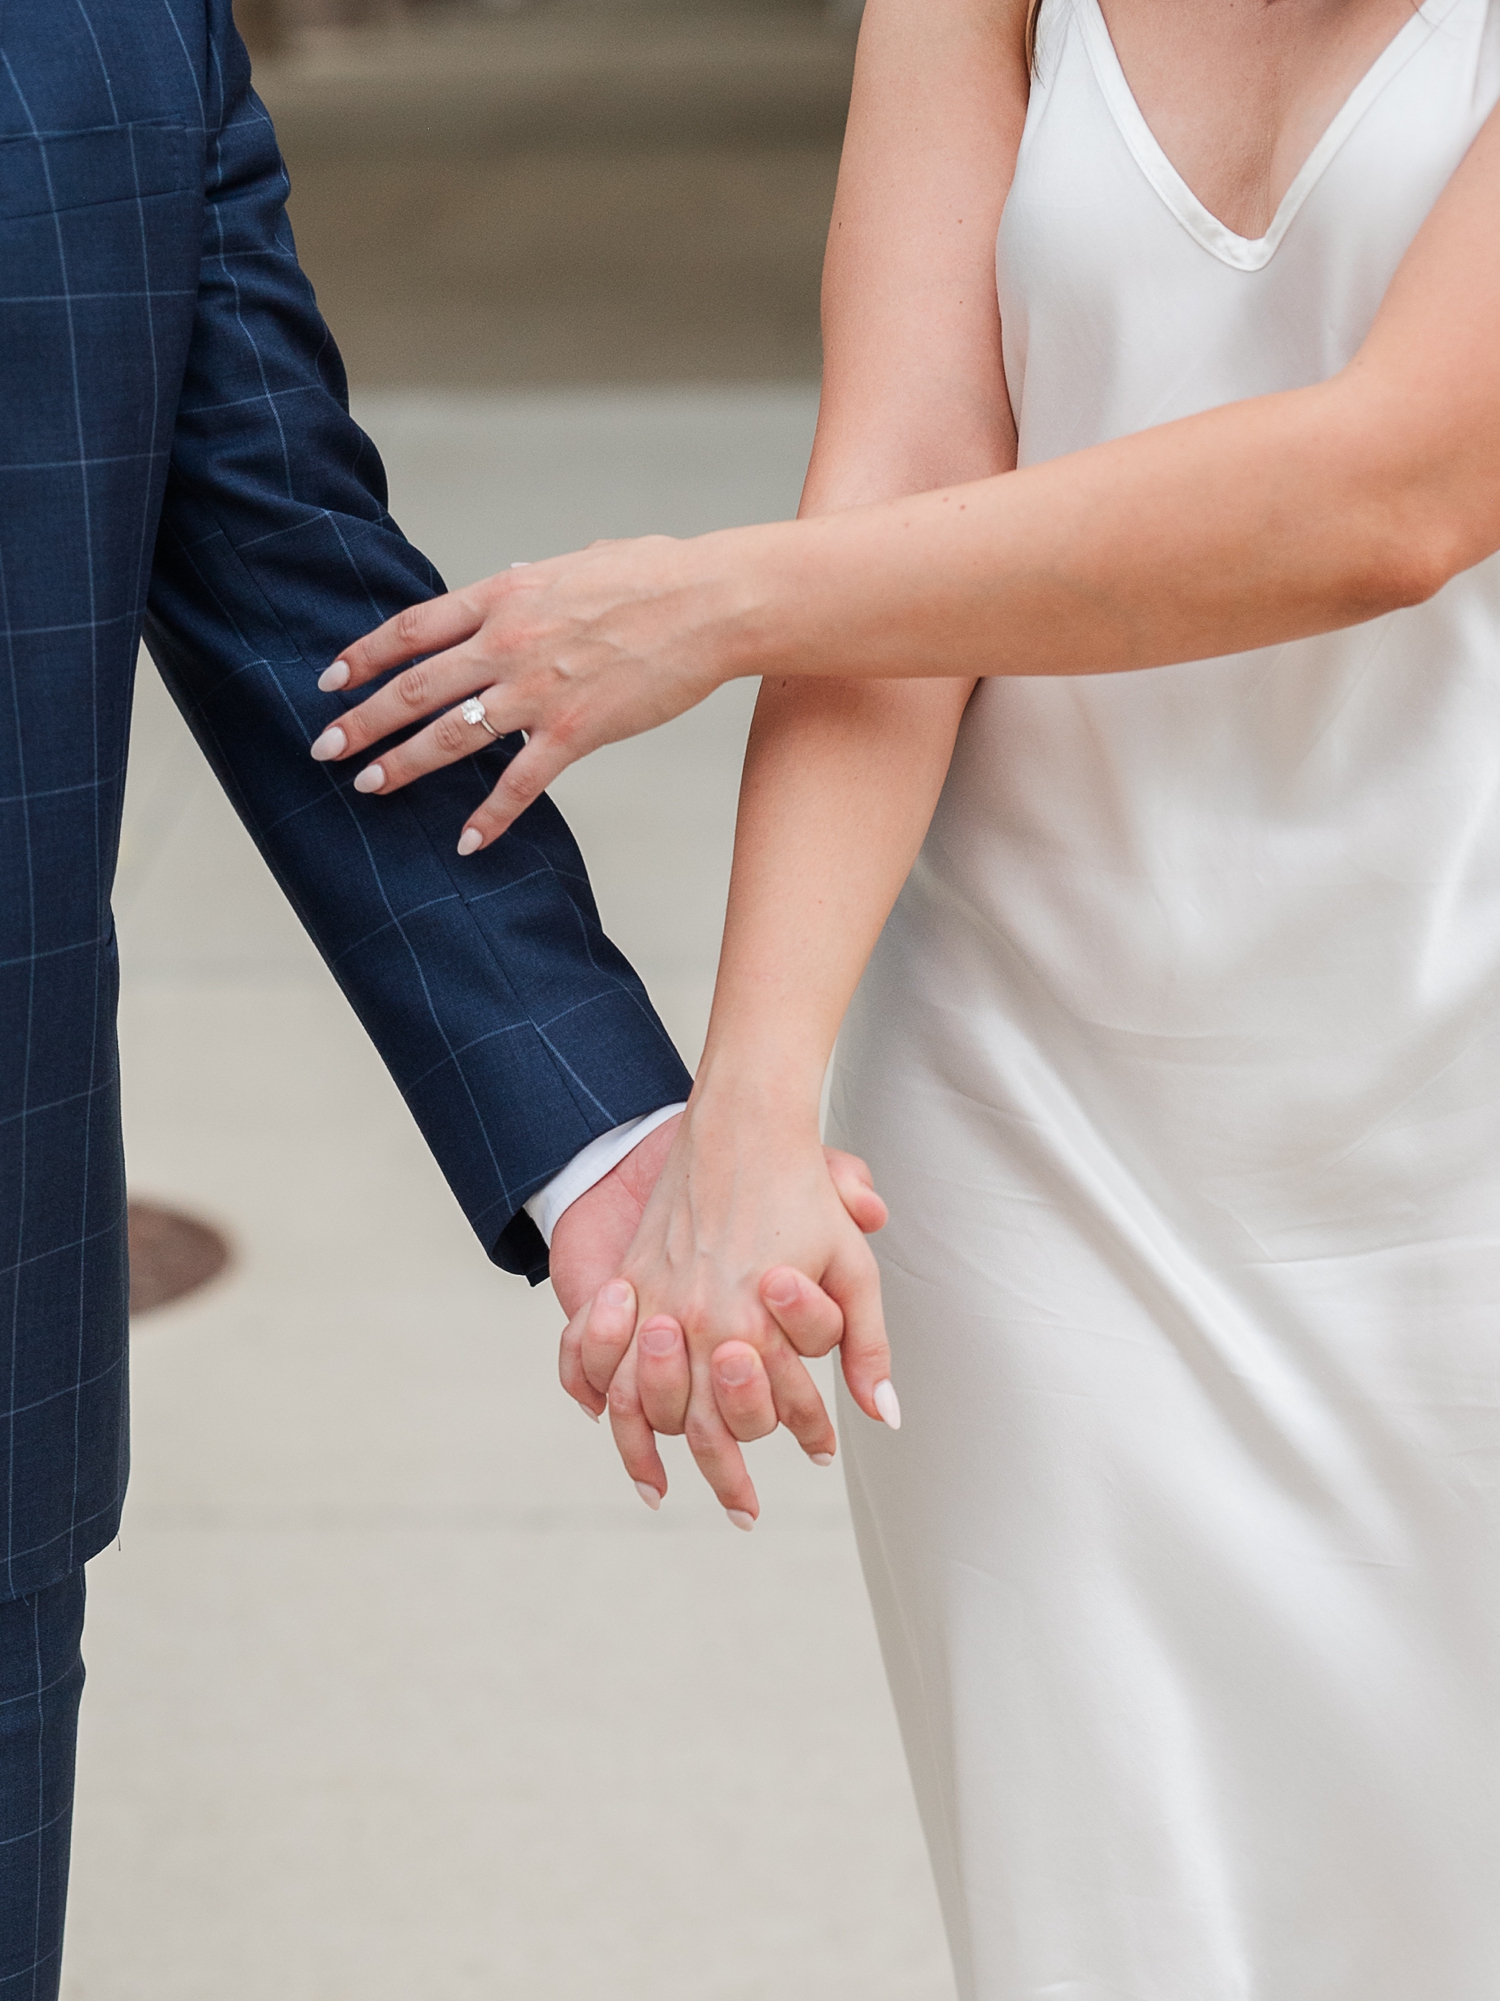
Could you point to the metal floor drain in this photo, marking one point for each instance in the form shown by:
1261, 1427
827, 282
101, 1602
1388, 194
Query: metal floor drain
171, 1255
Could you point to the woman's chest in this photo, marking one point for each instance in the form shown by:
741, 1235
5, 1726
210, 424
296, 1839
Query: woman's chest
1125, 302
1238, 96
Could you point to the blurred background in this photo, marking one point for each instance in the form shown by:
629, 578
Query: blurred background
563, 191
395, 1687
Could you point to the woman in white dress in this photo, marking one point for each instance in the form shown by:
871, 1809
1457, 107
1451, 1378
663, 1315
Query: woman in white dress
1178, 1056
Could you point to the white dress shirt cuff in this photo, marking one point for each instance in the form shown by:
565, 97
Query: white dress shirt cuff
584, 1169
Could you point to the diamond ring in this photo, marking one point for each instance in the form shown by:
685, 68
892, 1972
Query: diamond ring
473, 711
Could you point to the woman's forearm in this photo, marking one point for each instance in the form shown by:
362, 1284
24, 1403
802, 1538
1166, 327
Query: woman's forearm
1244, 527
840, 782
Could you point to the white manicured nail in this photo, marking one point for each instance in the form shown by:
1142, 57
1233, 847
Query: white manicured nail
470, 841
335, 677
649, 1495
821, 1458
370, 779
741, 1519
525, 565
593, 1416
332, 743
888, 1403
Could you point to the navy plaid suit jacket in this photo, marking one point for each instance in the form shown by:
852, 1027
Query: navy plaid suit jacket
177, 457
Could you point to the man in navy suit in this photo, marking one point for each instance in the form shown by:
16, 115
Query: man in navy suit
177, 459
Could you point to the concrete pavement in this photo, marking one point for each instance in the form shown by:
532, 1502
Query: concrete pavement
395, 1688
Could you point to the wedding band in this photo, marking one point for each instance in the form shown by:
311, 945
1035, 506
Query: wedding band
473, 711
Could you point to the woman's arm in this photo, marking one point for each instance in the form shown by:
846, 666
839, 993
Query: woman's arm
840, 782
840, 776
1255, 523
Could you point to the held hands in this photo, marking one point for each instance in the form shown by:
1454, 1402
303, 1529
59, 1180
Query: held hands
578, 651
747, 1259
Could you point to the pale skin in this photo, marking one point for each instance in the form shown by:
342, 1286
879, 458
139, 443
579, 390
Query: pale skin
755, 1388
922, 560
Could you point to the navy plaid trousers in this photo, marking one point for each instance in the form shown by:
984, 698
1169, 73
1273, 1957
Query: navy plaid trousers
177, 460
41, 1679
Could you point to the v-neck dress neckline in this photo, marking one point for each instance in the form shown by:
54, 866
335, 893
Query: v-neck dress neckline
1245, 253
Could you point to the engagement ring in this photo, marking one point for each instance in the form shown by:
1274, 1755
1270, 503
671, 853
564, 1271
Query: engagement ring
473, 711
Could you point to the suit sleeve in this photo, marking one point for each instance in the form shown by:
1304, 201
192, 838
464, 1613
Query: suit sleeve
515, 1030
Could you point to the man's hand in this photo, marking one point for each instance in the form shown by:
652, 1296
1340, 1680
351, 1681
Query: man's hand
700, 1334
594, 1233
641, 1370
589, 1245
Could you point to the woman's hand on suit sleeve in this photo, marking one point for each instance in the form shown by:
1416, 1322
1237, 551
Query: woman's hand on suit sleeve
577, 651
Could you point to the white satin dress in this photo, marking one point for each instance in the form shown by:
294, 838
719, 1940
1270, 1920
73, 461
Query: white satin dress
1179, 1063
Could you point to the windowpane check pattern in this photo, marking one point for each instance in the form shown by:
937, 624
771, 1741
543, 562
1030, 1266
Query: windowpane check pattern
177, 459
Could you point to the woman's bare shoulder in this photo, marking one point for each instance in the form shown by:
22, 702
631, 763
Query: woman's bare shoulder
963, 49
913, 386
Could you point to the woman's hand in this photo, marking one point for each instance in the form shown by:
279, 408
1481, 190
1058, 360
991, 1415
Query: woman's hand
577, 651
721, 1292
603, 1321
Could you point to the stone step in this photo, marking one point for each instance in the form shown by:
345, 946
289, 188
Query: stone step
594, 81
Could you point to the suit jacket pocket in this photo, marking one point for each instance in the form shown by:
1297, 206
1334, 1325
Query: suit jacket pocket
110, 163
